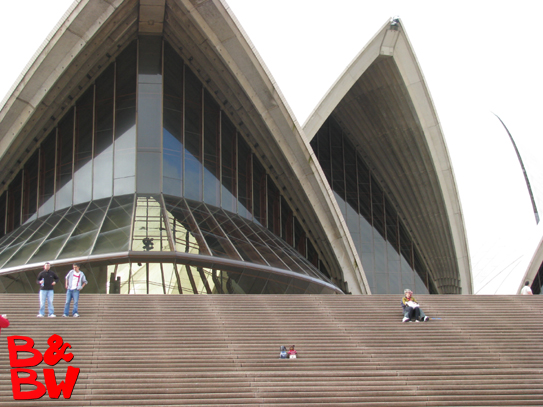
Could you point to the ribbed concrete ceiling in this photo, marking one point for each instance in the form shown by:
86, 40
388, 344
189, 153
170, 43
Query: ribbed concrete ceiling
379, 118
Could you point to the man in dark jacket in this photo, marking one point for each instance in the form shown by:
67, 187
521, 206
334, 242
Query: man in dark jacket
47, 279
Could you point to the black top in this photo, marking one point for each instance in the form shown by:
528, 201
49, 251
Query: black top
48, 277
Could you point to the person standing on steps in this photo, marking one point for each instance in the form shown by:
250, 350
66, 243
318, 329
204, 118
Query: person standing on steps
411, 308
75, 281
47, 279
526, 290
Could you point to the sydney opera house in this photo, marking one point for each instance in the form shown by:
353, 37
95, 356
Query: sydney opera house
148, 142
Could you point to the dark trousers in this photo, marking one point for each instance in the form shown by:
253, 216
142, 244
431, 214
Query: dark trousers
413, 313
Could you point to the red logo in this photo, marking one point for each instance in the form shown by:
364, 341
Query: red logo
55, 352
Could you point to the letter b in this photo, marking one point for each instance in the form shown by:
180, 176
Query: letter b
27, 347
16, 382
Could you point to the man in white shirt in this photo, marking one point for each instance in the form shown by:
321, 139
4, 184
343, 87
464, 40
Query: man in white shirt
526, 290
75, 281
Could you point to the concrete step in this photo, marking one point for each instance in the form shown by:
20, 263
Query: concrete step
223, 350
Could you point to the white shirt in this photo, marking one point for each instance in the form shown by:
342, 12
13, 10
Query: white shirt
526, 290
75, 281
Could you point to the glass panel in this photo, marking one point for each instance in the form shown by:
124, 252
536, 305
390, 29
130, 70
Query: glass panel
277, 284
22, 233
199, 279
299, 238
392, 233
148, 170
49, 249
30, 197
97, 276
394, 282
259, 192
123, 274
149, 107
297, 286
364, 191
172, 132
103, 137
149, 115
258, 240
321, 145
232, 283
42, 228
212, 121
186, 235
187, 280
274, 208
125, 121
14, 202
287, 222
245, 194
19, 242
312, 255
47, 174
65, 149
16, 283
115, 233
253, 282
420, 287
82, 239
155, 277
149, 227
193, 137
229, 161
43, 232
171, 285
214, 236
83, 147
220, 280
242, 244
337, 161
291, 257
2, 217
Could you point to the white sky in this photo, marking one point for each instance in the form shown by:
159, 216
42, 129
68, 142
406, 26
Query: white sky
478, 57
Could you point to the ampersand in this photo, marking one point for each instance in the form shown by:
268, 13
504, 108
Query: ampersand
56, 351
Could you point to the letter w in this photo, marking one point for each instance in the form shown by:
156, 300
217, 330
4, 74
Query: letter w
66, 387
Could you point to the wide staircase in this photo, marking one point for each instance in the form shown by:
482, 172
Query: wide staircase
223, 350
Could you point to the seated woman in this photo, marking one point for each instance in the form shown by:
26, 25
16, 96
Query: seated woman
283, 353
411, 308
292, 354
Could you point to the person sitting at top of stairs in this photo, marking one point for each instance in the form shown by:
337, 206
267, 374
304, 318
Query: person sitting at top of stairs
411, 309
292, 354
526, 290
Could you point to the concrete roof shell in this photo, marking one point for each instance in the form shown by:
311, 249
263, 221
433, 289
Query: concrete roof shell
534, 249
383, 105
208, 37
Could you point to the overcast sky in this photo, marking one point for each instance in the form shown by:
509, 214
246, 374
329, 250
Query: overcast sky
478, 58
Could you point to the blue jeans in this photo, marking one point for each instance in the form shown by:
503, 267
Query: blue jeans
415, 313
49, 294
69, 295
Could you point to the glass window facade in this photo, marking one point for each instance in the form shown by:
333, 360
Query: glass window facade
164, 245
146, 161
389, 256
140, 277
